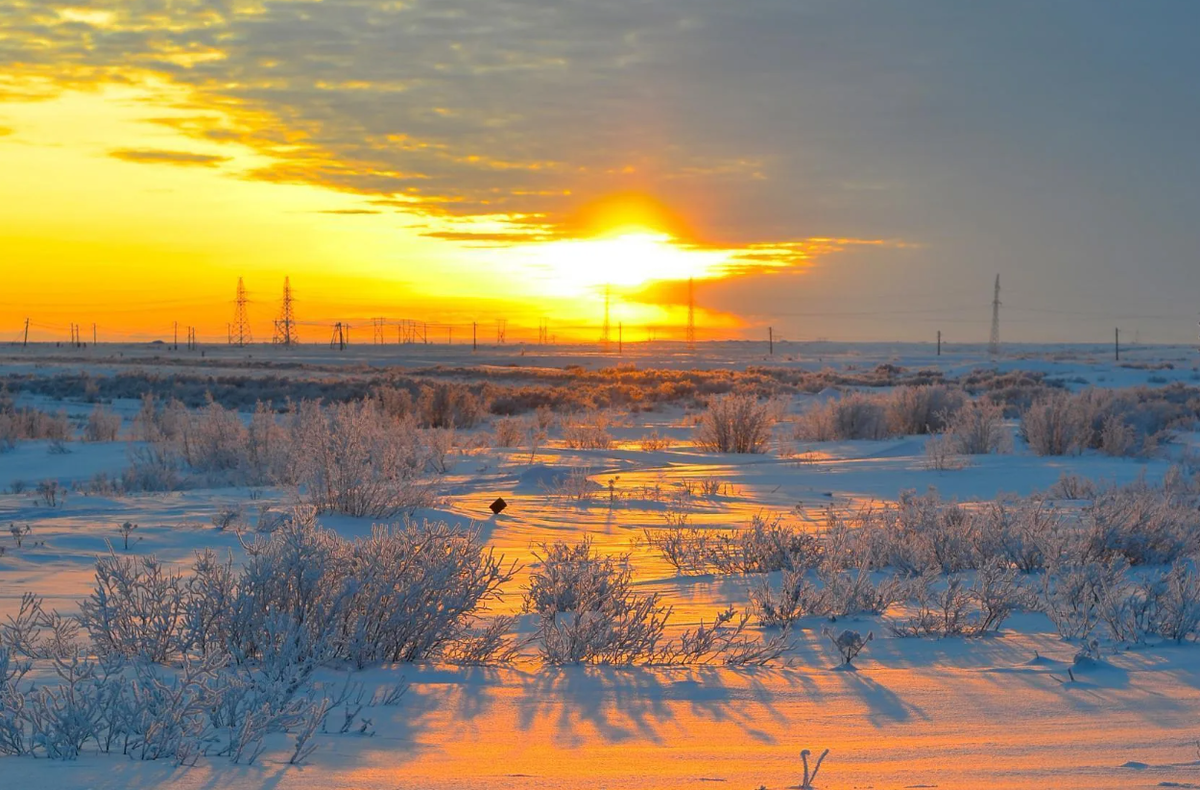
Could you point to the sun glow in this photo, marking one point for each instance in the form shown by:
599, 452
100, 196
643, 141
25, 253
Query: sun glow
574, 267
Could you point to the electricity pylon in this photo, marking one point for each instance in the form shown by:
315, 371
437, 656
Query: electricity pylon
239, 331
285, 325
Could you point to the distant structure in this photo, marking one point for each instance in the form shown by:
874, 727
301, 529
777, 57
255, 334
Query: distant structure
994, 343
691, 324
239, 330
606, 331
544, 331
285, 325
501, 330
339, 338
378, 325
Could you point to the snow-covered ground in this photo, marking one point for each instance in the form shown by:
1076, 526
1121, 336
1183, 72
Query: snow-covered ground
995, 712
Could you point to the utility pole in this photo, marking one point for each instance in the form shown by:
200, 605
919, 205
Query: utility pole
771, 340
604, 331
994, 343
691, 318
339, 336
543, 331
474, 336
25, 342
239, 332
1117, 344
93, 334
175, 343
939, 342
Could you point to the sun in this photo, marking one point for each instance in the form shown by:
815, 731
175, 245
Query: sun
631, 259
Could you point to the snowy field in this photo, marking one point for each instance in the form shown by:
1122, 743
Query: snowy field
1022, 705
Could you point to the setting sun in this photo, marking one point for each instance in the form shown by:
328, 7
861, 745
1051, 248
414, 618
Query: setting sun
571, 268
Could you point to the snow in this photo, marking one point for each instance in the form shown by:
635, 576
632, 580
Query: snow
995, 712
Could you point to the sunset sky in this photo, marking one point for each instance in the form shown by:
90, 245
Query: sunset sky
841, 169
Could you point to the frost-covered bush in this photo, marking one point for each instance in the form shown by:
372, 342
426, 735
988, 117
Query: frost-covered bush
587, 610
102, 425
449, 405
1143, 524
588, 613
852, 416
1053, 425
958, 609
353, 460
765, 545
848, 643
588, 431
509, 431
832, 592
402, 594
910, 411
28, 424
735, 424
978, 429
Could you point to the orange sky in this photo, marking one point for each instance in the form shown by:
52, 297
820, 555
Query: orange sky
132, 225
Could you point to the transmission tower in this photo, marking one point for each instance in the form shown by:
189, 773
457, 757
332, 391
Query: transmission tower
994, 343
544, 331
606, 330
378, 324
691, 324
501, 330
285, 325
239, 331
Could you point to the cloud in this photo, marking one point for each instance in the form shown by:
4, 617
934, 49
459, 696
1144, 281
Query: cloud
6, 131
349, 211
155, 156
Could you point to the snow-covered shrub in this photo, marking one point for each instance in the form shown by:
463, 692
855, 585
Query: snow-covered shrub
848, 643
449, 405
852, 416
849, 592
353, 460
913, 410
305, 596
135, 608
1053, 425
724, 642
1178, 615
1072, 487
978, 429
588, 431
957, 609
1071, 596
735, 424
1142, 524
795, 598
765, 545
102, 425
1022, 532
509, 431
27, 424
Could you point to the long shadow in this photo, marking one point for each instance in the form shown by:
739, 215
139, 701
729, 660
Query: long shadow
883, 704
